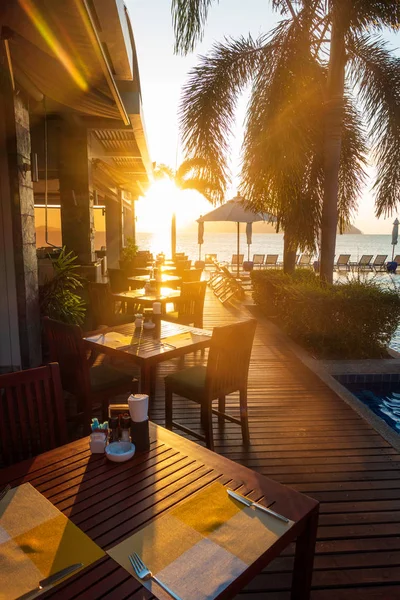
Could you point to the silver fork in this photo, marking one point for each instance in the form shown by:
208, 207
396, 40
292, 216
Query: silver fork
144, 573
4, 491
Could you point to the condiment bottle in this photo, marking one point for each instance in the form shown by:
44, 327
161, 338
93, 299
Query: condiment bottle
125, 428
138, 320
113, 424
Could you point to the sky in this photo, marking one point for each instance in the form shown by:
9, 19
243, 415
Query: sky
163, 74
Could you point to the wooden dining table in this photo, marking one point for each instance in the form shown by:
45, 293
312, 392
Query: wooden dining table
111, 501
140, 296
142, 347
166, 279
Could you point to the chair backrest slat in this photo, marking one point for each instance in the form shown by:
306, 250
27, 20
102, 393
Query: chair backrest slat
229, 358
67, 348
32, 414
190, 275
191, 302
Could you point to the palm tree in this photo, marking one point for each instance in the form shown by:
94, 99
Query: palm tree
304, 146
190, 175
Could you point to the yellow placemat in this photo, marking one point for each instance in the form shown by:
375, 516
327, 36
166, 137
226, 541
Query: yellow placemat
202, 545
37, 540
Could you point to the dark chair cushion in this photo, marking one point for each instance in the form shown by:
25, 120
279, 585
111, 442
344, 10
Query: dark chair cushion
104, 377
189, 383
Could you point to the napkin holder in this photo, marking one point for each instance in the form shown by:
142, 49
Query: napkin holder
138, 409
140, 435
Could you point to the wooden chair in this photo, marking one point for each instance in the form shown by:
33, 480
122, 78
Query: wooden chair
226, 372
190, 275
102, 307
87, 380
182, 266
118, 280
32, 415
190, 305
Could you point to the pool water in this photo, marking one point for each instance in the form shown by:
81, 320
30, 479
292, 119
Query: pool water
383, 399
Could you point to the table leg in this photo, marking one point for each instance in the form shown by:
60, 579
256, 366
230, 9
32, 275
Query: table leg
145, 380
304, 559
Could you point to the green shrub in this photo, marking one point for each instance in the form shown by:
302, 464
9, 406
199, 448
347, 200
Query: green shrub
355, 319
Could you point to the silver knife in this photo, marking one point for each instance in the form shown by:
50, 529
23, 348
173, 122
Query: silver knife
48, 581
252, 504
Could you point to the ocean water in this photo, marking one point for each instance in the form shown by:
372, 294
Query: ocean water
224, 244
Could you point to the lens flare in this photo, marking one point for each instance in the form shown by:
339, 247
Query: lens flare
51, 40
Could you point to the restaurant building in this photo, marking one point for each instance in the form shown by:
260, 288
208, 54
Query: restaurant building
72, 136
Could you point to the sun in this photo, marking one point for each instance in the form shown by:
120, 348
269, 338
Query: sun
163, 199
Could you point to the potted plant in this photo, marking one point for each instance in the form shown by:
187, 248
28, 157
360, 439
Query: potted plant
57, 296
128, 258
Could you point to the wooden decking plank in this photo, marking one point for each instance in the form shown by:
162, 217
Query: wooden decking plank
304, 435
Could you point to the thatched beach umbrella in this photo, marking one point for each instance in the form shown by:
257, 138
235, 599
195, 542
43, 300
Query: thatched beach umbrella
235, 210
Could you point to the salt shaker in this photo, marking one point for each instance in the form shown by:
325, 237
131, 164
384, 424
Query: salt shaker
138, 320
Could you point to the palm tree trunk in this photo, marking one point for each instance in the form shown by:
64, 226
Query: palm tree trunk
332, 148
289, 253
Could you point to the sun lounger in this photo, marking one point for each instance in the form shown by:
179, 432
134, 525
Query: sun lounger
379, 263
237, 258
271, 260
258, 259
304, 261
210, 259
364, 262
343, 262
397, 259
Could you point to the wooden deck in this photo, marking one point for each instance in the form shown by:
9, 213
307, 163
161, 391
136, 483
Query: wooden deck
305, 436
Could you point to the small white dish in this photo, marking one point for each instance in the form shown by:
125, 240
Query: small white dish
120, 451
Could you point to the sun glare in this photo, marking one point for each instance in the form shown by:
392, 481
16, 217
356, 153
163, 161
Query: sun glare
154, 212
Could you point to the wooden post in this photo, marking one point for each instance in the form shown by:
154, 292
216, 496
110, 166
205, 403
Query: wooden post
20, 346
77, 219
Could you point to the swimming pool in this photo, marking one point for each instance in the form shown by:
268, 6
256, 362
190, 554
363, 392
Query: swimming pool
381, 398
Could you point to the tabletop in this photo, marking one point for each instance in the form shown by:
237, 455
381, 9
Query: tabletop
142, 345
165, 278
110, 501
140, 295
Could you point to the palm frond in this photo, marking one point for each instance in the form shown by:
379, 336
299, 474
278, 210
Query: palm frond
188, 19
366, 15
208, 105
191, 165
161, 171
352, 162
376, 73
199, 185
281, 171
